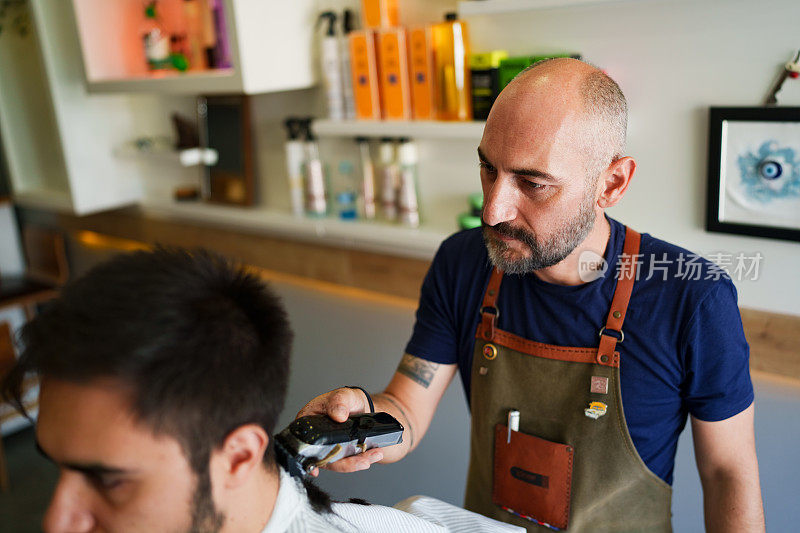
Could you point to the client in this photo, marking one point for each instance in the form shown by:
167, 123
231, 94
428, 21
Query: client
162, 377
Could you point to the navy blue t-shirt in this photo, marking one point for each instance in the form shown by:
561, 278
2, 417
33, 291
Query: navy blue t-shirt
684, 350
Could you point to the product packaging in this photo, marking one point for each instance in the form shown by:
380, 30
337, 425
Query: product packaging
407, 201
376, 14
295, 161
364, 68
484, 74
389, 179
395, 92
331, 66
453, 98
420, 64
367, 208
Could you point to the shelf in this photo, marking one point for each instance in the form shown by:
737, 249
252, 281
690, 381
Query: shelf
493, 7
211, 81
44, 199
416, 129
419, 243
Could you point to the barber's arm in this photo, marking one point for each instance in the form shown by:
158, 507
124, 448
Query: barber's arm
726, 459
411, 397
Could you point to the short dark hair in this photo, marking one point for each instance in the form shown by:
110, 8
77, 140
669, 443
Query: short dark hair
202, 343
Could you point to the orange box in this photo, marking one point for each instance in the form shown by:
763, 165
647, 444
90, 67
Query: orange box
393, 74
420, 66
378, 14
364, 68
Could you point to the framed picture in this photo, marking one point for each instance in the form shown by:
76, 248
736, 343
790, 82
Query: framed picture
754, 172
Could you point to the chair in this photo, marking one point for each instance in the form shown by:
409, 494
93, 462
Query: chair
7, 359
46, 270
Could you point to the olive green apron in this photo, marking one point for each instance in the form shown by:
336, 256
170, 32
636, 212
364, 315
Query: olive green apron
572, 461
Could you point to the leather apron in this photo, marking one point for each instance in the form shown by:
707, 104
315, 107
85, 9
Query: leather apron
572, 464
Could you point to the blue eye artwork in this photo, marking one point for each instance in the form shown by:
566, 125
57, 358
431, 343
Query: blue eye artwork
770, 173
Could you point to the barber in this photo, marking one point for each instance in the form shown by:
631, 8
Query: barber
579, 381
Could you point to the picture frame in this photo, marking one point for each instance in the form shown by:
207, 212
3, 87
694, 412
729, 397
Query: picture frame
754, 172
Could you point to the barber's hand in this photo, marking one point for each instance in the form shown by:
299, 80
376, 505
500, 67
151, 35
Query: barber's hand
339, 404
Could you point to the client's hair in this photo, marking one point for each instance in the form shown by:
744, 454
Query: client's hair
202, 344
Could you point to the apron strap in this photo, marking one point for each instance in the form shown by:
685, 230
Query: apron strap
489, 311
628, 261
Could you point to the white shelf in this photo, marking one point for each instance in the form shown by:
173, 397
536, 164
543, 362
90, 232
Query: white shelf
420, 243
58, 201
493, 7
211, 81
415, 129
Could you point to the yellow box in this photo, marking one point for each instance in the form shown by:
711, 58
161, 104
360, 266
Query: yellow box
379, 14
393, 74
364, 68
420, 66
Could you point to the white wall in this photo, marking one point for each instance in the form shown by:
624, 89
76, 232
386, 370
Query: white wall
674, 59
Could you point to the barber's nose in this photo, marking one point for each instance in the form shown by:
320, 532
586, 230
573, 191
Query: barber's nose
68, 511
499, 202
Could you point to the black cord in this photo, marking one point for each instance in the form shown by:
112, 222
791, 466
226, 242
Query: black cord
369, 398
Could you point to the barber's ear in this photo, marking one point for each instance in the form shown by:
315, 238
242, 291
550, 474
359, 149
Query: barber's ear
615, 180
241, 454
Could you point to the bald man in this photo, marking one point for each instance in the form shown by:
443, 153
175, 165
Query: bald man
582, 345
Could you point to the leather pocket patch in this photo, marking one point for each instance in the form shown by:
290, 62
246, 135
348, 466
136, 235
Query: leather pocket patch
532, 477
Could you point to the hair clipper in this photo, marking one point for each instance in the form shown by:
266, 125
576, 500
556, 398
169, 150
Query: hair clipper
316, 440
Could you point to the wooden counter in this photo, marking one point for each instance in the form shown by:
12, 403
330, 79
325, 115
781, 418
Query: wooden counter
774, 338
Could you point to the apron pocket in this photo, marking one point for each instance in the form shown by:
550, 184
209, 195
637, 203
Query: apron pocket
532, 477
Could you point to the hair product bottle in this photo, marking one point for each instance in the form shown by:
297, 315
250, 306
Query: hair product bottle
407, 201
389, 179
295, 156
316, 194
367, 180
347, 79
453, 97
330, 56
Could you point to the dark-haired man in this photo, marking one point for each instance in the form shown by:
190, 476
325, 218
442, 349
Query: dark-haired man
540, 344
162, 377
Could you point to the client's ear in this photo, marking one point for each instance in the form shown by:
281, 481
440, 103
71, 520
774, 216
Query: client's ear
240, 455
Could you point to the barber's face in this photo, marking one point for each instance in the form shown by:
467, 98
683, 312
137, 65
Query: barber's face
538, 203
116, 476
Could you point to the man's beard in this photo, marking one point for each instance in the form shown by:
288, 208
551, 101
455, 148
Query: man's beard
205, 516
541, 255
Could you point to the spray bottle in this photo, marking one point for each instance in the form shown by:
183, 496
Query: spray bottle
330, 55
316, 195
367, 180
347, 77
389, 178
295, 156
407, 202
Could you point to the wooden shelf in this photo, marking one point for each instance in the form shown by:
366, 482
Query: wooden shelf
415, 129
494, 7
418, 243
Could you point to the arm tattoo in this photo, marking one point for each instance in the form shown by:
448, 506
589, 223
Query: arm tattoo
419, 370
408, 421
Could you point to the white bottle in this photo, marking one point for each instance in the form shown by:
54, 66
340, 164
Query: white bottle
407, 202
330, 56
316, 195
295, 158
389, 179
367, 180
347, 77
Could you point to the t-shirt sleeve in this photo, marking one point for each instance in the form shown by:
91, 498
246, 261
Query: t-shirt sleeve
717, 373
435, 334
